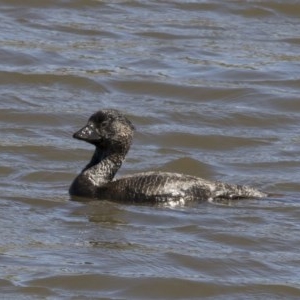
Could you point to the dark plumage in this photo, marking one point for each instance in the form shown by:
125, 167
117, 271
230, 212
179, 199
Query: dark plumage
111, 133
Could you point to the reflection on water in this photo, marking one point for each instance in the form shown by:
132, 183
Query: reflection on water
213, 91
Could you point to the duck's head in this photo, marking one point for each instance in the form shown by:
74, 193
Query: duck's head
107, 129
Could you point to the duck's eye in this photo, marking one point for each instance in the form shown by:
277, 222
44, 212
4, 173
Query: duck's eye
105, 123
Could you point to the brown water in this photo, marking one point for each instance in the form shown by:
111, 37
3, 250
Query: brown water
213, 89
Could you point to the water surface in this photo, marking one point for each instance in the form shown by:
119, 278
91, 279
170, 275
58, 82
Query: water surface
213, 90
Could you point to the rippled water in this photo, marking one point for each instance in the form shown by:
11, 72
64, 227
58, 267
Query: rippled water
213, 89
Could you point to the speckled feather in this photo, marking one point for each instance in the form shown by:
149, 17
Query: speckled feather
164, 187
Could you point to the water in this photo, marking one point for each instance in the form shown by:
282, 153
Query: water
213, 89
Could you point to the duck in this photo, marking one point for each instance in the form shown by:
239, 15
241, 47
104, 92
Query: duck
111, 133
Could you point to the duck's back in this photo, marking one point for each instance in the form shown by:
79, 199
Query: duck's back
161, 187
156, 187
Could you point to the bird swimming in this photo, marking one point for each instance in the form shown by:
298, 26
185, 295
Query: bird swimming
111, 133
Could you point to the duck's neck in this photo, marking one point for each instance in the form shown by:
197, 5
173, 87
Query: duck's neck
101, 170
103, 166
